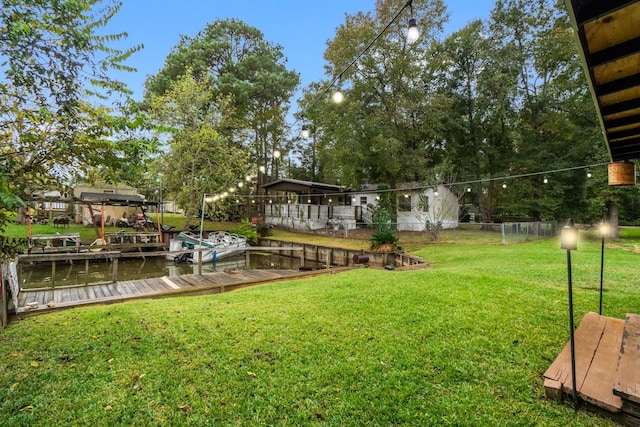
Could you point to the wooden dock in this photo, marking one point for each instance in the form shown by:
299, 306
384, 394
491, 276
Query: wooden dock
607, 358
38, 301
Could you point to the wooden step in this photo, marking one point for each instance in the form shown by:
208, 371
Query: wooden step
597, 346
627, 384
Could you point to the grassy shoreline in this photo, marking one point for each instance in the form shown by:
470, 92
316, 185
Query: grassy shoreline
464, 343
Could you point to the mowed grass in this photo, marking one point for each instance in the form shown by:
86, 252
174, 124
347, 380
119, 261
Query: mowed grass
463, 343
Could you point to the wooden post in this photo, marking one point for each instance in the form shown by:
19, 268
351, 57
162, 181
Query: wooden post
4, 300
329, 258
86, 271
302, 257
53, 274
114, 277
247, 257
199, 255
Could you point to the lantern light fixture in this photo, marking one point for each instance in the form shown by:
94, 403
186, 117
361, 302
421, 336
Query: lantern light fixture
569, 241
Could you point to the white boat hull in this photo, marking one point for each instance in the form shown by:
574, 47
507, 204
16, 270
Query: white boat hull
223, 245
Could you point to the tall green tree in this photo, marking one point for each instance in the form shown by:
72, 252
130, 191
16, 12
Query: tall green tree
199, 159
56, 83
478, 122
247, 77
384, 130
557, 125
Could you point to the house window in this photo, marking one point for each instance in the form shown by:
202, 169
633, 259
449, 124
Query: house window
404, 203
363, 200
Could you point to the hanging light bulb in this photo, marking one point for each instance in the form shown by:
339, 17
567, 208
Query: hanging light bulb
545, 180
589, 174
304, 132
412, 34
337, 97
504, 185
468, 189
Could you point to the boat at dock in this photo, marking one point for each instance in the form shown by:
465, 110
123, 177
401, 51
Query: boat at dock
217, 245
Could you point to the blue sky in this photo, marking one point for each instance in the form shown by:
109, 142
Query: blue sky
301, 27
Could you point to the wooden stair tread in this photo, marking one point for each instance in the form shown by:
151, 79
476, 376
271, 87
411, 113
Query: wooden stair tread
597, 344
627, 384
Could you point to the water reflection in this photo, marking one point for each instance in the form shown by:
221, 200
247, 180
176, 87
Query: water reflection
40, 275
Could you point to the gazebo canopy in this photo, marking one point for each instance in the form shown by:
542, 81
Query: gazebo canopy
115, 199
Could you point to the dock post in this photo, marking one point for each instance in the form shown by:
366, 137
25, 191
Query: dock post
199, 255
329, 258
53, 274
247, 257
302, 257
114, 277
86, 271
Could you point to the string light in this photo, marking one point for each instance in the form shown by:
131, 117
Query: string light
464, 184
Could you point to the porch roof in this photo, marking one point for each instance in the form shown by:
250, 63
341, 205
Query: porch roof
300, 187
608, 34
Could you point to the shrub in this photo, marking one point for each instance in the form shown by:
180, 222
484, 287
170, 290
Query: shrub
248, 230
383, 237
263, 229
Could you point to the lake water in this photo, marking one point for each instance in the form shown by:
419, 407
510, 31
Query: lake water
40, 275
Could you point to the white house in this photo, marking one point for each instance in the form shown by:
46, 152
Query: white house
416, 206
303, 205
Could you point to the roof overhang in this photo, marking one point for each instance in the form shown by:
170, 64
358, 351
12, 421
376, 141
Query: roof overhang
300, 187
608, 32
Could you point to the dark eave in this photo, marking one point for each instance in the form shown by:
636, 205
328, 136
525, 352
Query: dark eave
608, 33
300, 187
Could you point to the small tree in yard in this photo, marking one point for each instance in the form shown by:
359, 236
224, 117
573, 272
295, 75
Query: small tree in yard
384, 237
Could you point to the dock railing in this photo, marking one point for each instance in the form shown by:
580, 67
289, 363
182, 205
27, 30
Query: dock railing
114, 256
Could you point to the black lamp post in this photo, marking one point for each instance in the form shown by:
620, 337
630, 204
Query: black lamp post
569, 241
604, 232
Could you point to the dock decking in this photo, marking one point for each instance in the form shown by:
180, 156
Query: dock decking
607, 355
216, 282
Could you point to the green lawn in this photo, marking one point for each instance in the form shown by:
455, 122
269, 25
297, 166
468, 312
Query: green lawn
464, 343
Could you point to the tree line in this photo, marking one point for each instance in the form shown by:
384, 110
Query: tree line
500, 98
